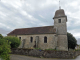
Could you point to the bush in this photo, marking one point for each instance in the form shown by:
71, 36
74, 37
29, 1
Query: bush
4, 49
15, 42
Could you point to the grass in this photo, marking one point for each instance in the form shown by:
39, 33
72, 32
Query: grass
51, 49
37, 48
46, 49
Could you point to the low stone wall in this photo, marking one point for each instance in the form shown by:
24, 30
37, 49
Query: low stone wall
46, 53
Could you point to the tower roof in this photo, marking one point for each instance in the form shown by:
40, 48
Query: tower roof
59, 13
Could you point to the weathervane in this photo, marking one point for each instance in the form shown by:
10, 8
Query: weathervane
59, 5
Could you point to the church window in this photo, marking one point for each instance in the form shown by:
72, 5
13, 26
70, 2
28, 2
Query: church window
20, 38
45, 39
31, 40
59, 20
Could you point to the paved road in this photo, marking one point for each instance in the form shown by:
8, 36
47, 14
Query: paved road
21, 57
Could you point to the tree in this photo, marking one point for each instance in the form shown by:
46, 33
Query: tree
72, 42
1, 36
4, 49
15, 42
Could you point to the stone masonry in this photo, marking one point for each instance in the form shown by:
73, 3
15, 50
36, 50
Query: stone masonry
60, 20
51, 41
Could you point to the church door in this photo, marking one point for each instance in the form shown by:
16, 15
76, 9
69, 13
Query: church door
23, 43
37, 41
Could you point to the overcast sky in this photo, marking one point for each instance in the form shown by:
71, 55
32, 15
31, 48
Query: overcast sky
34, 13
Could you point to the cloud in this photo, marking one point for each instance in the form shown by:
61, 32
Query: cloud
42, 16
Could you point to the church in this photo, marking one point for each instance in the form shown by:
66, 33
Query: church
46, 37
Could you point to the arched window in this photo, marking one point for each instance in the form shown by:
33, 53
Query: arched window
45, 39
19, 38
31, 39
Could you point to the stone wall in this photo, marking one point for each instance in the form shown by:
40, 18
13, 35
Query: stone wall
46, 53
61, 27
51, 41
62, 33
62, 43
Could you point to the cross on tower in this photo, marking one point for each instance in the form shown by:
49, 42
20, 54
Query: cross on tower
59, 5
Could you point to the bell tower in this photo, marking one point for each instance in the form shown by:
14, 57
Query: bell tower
60, 20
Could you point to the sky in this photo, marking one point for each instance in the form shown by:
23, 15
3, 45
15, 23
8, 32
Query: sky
16, 14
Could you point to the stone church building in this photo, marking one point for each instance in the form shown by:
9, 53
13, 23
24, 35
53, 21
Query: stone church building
46, 37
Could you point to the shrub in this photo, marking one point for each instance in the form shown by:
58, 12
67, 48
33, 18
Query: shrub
15, 42
4, 49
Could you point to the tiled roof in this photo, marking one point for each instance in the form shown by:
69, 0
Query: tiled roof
60, 13
34, 30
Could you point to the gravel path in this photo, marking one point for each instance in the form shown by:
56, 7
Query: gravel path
22, 57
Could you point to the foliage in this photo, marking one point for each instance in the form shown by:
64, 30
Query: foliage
72, 42
15, 42
4, 49
1, 36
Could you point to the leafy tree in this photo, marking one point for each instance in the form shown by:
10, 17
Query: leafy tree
1, 36
15, 42
72, 42
4, 49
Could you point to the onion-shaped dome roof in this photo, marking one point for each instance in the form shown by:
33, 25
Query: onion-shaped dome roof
59, 13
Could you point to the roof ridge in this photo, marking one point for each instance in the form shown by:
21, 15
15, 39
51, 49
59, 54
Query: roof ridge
35, 27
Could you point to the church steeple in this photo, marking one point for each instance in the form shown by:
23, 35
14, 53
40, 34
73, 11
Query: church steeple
60, 20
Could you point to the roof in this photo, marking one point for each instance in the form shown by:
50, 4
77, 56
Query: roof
34, 30
59, 13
